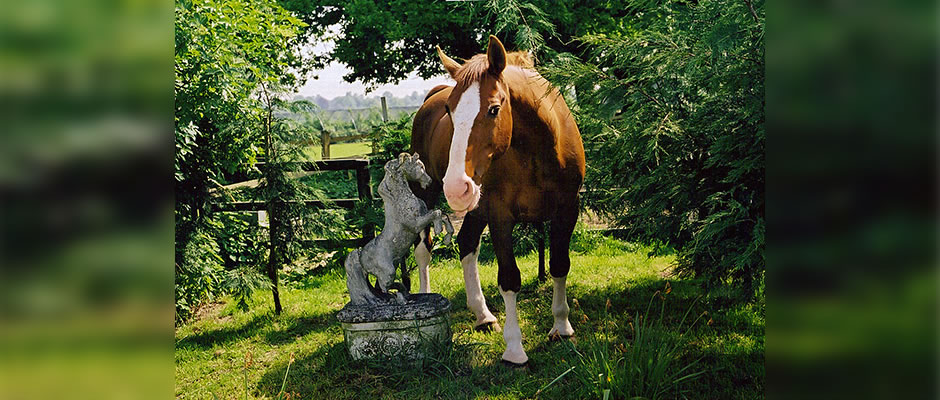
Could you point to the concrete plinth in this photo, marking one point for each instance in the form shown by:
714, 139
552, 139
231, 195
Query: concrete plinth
396, 331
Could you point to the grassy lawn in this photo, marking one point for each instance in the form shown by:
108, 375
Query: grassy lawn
609, 286
340, 150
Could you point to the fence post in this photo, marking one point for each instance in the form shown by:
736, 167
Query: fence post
325, 142
364, 187
353, 119
384, 110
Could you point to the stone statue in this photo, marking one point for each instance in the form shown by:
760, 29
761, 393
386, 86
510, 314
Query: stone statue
406, 217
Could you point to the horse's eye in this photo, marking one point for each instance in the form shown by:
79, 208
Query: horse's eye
493, 111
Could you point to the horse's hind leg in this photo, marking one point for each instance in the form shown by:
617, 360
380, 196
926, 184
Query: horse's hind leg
405, 277
423, 259
561, 229
423, 249
540, 229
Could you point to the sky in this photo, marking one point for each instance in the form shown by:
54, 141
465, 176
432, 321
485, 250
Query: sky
331, 84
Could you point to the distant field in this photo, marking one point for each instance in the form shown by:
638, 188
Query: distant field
341, 150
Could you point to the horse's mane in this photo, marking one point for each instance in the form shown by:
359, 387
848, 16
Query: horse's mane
474, 69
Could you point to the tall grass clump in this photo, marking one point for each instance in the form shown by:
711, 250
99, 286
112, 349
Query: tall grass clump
648, 367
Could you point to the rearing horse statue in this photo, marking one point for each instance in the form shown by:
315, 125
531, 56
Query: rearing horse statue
504, 148
405, 218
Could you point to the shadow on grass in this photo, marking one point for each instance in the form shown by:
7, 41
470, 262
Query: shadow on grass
302, 326
298, 326
449, 372
308, 375
725, 348
207, 339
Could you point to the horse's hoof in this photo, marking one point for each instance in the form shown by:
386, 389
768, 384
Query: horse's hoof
515, 366
557, 338
488, 327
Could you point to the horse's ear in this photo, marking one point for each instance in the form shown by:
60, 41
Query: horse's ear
449, 64
403, 158
496, 56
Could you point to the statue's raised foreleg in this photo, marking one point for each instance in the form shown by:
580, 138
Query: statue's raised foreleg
449, 227
427, 219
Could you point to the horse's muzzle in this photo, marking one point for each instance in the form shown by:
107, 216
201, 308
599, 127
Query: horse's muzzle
462, 197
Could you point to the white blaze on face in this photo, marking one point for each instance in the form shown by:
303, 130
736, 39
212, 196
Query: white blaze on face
461, 192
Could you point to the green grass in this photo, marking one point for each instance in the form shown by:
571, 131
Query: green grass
340, 150
726, 344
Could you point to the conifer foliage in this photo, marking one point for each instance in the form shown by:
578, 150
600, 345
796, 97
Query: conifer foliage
672, 113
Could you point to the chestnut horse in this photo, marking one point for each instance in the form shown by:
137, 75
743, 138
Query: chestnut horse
504, 148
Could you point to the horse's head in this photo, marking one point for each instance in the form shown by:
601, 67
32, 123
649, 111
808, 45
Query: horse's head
412, 169
482, 118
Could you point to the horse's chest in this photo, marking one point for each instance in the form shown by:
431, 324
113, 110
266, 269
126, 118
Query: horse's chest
522, 187
531, 206
525, 203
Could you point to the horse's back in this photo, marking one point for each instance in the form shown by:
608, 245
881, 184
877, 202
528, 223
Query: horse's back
551, 129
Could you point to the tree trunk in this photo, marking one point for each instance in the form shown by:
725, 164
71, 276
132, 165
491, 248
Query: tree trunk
274, 249
273, 261
274, 246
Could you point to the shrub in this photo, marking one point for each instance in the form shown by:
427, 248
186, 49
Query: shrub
672, 114
391, 139
199, 275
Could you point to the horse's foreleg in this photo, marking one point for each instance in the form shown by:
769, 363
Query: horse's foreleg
560, 232
510, 283
469, 242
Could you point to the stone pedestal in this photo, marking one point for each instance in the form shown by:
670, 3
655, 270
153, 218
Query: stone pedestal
396, 331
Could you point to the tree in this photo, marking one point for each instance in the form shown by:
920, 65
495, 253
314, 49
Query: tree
385, 41
225, 51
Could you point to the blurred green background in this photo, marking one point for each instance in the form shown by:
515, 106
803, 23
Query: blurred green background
86, 291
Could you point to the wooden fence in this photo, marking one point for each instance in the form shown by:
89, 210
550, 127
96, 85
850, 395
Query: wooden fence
326, 138
363, 187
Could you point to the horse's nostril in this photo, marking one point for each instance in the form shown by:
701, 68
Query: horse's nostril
469, 189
